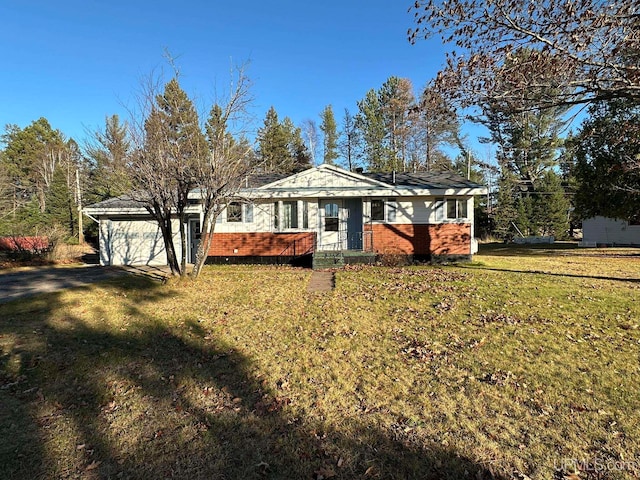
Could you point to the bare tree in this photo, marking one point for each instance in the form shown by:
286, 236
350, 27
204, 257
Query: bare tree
310, 136
221, 173
588, 48
168, 143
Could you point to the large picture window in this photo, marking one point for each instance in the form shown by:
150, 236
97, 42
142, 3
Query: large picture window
290, 214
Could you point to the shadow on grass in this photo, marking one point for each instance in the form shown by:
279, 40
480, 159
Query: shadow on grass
86, 400
517, 250
553, 249
551, 274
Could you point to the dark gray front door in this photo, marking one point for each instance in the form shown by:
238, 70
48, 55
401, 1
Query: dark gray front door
194, 239
353, 207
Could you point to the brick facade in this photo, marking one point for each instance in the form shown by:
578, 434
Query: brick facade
258, 244
409, 239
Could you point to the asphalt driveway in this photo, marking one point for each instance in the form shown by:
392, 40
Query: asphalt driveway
37, 280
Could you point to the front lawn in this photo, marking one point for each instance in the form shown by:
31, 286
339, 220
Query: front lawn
522, 364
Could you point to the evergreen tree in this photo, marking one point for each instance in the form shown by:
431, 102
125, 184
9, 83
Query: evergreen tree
397, 102
606, 156
370, 122
61, 206
350, 141
299, 157
110, 152
437, 126
551, 207
389, 123
29, 159
273, 144
330, 131
280, 145
164, 165
506, 211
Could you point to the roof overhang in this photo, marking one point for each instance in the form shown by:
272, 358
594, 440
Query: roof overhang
373, 191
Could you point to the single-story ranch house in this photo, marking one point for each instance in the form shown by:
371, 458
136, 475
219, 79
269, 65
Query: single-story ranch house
323, 211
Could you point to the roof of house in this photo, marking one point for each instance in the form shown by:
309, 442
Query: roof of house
121, 202
422, 180
430, 180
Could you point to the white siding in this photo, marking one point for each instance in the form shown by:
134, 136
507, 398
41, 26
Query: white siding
324, 178
609, 231
420, 210
263, 218
134, 242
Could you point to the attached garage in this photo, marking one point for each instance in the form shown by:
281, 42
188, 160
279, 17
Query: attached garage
131, 237
131, 242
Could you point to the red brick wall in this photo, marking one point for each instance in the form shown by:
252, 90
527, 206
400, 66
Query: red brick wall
440, 239
257, 244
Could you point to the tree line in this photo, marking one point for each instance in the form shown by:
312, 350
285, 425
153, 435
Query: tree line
45, 176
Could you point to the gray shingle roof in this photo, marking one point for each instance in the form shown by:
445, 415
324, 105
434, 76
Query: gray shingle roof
121, 202
261, 179
428, 180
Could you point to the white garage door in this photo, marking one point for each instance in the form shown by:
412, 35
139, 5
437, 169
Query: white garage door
133, 242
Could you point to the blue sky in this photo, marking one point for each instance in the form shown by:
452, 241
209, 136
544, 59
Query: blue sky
75, 62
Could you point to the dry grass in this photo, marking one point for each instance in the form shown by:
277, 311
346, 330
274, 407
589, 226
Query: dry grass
507, 367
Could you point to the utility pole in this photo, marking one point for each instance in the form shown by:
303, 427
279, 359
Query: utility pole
79, 202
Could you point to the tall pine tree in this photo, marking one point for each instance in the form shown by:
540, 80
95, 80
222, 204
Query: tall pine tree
330, 131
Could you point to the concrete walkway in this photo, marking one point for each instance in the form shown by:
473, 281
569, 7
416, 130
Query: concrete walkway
321, 281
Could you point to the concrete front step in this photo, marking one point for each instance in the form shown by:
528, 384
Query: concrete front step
337, 259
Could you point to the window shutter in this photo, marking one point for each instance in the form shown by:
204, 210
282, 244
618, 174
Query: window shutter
248, 213
219, 218
392, 207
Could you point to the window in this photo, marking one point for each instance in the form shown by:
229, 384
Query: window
248, 213
451, 208
237, 212
289, 214
462, 208
234, 212
383, 210
305, 214
331, 217
377, 210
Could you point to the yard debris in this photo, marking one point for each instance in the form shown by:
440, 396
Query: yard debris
93, 465
323, 473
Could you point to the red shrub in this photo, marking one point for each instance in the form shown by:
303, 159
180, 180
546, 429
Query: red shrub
24, 244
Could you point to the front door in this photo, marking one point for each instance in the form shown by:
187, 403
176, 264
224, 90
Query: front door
194, 238
353, 212
332, 228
